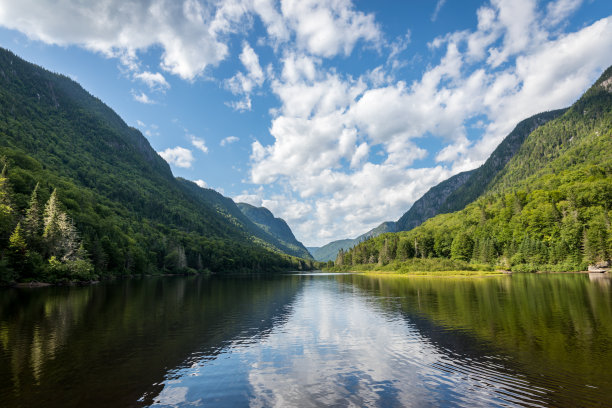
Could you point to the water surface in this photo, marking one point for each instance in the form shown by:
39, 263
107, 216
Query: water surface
309, 340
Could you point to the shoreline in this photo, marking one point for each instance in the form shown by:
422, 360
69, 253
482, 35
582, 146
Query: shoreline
465, 273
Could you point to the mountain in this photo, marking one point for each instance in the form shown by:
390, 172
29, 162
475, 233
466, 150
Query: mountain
329, 251
277, 228
548, 208
131, 214
458, 191
430, 203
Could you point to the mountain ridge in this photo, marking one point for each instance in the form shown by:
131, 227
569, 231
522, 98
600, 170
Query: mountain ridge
277, 227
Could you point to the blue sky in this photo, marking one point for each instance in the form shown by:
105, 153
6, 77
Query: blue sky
335, 114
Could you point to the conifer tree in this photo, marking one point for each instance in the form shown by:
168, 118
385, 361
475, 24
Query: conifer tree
52, 233
7, 212
32, 221
17, 243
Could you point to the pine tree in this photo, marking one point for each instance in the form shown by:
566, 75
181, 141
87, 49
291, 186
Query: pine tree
52, 233
340, 257
32, 221
7, 212
17, 243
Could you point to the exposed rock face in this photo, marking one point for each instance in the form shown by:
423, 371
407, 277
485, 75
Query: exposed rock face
607, 84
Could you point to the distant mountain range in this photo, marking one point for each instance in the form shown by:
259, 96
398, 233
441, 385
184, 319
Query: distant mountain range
329, 251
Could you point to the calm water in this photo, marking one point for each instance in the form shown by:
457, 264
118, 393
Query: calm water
310, 340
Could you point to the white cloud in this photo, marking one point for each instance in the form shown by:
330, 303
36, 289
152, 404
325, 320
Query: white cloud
142, 98
190, 35
198, 143
329, 27
178, 156
439, 6
155, 81
201, 183
244, 84
229, 140
559, 10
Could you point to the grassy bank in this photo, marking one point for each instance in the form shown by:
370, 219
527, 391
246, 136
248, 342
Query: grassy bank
420, 266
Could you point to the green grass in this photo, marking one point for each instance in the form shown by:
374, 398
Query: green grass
445, 274
419, 266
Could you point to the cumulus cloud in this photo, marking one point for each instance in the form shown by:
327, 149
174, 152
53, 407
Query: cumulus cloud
178, 156
244, 83
155, 81
201, 183
190, 34
199, 143
229, 140
142, 98
329, 27
558, 10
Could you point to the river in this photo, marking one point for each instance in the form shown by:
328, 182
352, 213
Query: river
309, 340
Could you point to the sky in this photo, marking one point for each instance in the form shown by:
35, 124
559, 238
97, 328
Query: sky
334, 114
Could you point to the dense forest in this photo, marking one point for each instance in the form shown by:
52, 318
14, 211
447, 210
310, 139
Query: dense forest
549, 208
119, 199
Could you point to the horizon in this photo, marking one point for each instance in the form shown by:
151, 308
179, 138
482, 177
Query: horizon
331, 114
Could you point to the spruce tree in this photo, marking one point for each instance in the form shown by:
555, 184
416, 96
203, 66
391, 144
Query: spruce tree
52, 233
32, 221
7, 212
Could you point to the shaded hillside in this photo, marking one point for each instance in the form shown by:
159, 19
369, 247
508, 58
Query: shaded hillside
430, 203
132, 214
277, 228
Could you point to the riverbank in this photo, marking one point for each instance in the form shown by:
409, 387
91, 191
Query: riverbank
437, 274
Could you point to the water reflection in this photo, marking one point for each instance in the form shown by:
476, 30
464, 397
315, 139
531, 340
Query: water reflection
310, 340
554, 331
104, 345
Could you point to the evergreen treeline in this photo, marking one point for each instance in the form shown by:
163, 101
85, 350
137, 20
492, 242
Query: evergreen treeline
44, 242
132, 215
550, 208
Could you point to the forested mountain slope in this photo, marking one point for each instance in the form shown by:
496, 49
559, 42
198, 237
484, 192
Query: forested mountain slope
549, 208
130, 213
276, 227
463, 188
